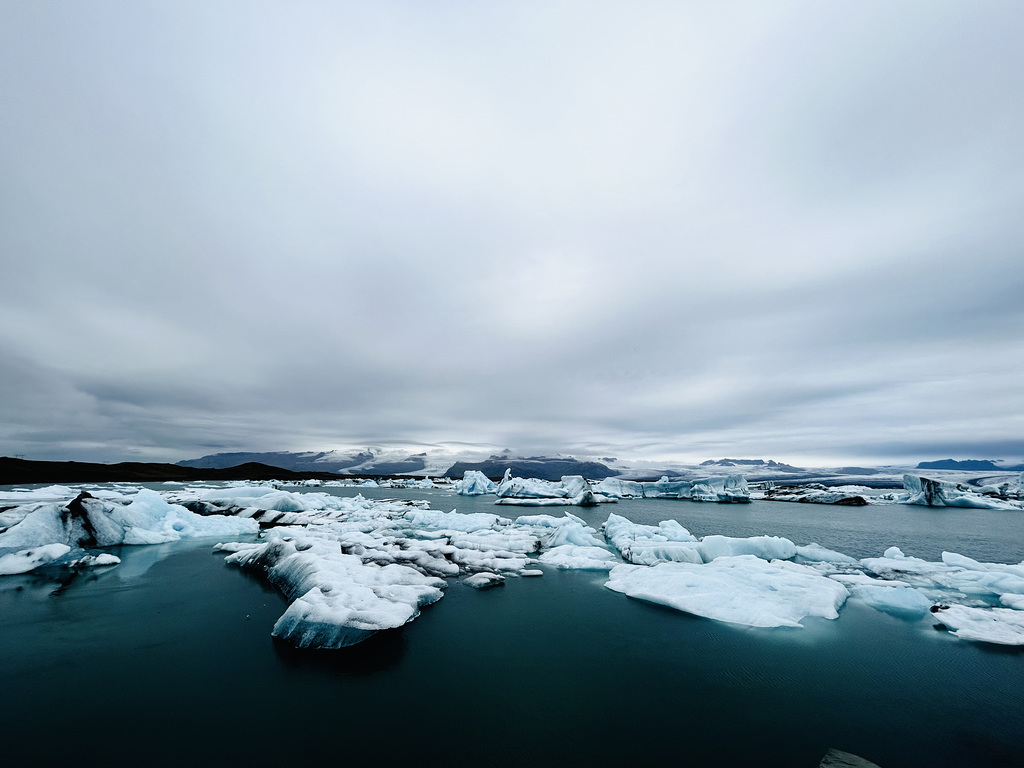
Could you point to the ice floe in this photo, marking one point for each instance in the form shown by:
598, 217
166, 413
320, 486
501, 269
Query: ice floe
741, 589
1001, 626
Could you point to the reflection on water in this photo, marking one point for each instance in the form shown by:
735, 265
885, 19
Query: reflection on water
381, 651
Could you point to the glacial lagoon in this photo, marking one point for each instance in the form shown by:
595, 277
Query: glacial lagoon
168, 657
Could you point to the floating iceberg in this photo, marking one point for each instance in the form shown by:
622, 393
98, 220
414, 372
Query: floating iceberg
902, 601
531, 492
743, 589
927, 492
723, 489
336, 599
764, 547
474, 483
573, 557
619, 489
1001, 626
88, 522
814, 493
648, 544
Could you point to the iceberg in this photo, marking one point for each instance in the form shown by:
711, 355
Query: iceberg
648, 544
572, 490
741, 589
722, 489
901, 601
337, 599
474, 483
88, 522
666, 489
619, 489
557, 531
573, 557
924, 491
764, 547
1001, 626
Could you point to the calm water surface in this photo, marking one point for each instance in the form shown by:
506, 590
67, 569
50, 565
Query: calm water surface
168, 658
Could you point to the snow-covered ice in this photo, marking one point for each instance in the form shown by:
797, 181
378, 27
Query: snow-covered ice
1002, 626
741, 589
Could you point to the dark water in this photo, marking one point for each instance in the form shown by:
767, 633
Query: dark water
170, 661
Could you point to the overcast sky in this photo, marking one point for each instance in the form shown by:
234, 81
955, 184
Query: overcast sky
789, 230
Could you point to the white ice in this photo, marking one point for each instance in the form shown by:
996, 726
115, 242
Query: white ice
741, 589
649, 544
925, 491
27, 560
764, 547
337, 599
1001, 626
572, 557
474, 483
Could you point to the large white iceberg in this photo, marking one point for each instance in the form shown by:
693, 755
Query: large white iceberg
740, 590
927, 492
572, 490
724, 488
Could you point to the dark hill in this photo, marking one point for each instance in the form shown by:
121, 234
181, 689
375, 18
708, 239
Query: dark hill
541, 468
25, 471
971, 465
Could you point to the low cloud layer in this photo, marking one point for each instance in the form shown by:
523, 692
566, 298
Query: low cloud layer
788, 231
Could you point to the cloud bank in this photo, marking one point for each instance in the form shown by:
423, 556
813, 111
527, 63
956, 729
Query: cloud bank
681, 231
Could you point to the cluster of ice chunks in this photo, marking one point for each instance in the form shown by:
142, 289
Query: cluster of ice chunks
61, 533
351, 567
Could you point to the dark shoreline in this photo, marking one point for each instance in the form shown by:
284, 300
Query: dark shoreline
22, 471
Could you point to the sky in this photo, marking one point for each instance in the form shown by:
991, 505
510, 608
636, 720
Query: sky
680, 230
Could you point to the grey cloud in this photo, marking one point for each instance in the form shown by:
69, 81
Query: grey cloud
788, 229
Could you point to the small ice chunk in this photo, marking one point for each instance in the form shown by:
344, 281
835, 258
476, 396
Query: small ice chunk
95, 561
484, 580
531, 572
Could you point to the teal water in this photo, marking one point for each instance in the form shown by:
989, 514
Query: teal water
168, 658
